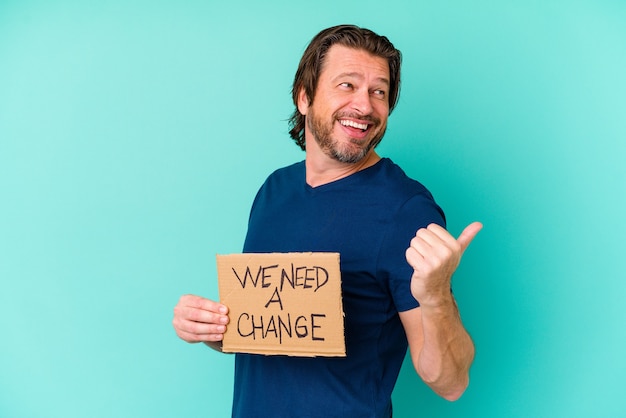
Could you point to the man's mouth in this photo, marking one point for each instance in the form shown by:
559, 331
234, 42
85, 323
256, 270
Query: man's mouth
352, 124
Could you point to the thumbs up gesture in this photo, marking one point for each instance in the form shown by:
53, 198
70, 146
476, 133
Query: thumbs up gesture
434, 255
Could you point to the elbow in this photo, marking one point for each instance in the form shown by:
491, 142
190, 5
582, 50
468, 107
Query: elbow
448, 379
450, 388
454, 394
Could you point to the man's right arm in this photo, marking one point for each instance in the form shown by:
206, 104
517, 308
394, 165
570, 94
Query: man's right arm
197, 319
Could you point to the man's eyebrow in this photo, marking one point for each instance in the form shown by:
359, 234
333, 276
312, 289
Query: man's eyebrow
359, 76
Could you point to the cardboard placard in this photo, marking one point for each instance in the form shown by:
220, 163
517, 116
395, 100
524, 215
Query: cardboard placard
282, 303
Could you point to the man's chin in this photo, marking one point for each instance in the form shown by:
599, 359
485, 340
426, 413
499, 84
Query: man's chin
349, 156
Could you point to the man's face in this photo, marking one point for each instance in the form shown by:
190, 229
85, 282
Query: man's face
349, 113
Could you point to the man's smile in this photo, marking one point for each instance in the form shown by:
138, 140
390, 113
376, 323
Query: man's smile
350, 123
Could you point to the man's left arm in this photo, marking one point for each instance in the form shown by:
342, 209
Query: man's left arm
441, 349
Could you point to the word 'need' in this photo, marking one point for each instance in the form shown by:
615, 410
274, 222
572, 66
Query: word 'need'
293, 276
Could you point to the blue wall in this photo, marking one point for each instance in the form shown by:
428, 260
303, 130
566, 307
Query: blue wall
133, 136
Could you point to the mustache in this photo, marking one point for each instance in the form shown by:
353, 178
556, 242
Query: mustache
353, 115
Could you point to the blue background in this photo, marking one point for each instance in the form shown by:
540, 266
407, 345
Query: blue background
134, 135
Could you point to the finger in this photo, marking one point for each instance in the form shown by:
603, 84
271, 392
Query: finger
195, 338
422, 247
468, 234
422, 242
200, 329
414, 257
193, 331
199, 315
442, 235
437, 229
200, 302
440, 242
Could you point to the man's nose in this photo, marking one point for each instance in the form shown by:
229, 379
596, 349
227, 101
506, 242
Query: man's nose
362, 102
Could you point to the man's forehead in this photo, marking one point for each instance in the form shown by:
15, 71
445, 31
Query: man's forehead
354, 62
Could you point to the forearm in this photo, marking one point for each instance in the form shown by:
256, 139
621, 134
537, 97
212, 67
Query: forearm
447, 351
441, 349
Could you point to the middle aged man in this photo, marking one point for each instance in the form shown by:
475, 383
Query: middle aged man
397, 259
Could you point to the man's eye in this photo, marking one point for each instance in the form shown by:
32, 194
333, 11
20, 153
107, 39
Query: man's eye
346, 85
380, 93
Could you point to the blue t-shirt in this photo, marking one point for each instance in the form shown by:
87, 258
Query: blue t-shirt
369, 218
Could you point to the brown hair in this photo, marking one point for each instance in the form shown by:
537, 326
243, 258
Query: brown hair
313, 58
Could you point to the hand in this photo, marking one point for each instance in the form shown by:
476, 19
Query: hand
434, 255
197, 319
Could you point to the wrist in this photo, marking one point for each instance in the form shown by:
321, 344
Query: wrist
443, 302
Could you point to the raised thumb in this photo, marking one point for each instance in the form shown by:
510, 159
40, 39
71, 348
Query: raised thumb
468, 234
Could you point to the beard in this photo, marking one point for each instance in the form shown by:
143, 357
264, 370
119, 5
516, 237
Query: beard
353, 151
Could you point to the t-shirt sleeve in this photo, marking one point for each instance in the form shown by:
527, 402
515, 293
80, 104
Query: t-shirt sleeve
418, 212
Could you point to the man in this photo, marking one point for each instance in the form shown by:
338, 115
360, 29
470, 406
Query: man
396, 257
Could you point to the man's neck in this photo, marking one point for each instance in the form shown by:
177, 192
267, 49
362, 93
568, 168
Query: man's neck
322, 169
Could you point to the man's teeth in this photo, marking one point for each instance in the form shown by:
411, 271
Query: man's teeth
362, 126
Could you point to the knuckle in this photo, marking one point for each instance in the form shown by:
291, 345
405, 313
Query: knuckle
194, 315
193, 328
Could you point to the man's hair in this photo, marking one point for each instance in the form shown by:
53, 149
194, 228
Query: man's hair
312, 63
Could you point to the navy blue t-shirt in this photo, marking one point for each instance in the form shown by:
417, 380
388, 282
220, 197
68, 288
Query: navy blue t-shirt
369, 218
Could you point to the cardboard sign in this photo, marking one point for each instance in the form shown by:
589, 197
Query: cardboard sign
282, 303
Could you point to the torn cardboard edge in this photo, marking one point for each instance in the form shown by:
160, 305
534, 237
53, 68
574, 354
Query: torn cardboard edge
282, 303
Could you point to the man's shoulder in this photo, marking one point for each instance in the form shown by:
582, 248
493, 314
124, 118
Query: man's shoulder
288, 170
395, 177
284, 176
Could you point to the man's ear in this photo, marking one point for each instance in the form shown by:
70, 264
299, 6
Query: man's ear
303, 102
